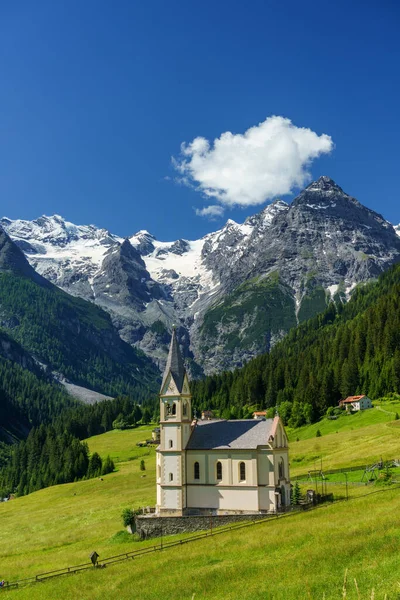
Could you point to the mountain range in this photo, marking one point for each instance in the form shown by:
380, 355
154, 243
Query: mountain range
232, 294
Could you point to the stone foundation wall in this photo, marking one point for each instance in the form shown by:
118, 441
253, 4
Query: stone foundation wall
150, 526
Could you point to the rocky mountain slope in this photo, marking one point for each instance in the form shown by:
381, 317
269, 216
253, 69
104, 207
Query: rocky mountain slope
234, 292
48, 332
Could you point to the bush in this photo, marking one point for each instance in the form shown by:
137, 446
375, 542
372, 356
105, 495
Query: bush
142, 465
127, 516
120, 422
318, 434
296, 494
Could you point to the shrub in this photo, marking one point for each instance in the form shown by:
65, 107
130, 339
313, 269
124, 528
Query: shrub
296, 494
142, 465
318, 434
127, 516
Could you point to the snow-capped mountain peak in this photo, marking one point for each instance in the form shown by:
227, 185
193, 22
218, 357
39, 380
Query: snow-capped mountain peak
69, 255
55, 231
397, 229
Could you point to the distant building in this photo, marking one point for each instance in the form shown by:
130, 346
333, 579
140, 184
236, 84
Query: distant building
356, 403
259, 414
218, 466
207, 414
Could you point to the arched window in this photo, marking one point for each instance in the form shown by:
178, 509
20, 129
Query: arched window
281, 468
219, 471
171, 443
196, 470
184, 409
174, 409
242, 471
171, 477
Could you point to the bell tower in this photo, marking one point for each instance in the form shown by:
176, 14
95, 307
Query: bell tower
175, 429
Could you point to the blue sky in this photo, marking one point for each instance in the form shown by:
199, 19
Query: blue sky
96, 97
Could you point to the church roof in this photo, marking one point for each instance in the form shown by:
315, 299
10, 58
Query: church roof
174, 364
245, 434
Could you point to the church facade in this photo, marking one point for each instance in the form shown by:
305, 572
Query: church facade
216, 466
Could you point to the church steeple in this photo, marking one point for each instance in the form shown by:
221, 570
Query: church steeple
175, 430
174, 365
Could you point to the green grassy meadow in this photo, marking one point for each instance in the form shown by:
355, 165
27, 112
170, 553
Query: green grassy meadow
357, 439
294, 557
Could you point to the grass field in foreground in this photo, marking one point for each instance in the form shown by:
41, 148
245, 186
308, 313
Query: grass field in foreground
301, 557
304, 556
61, 525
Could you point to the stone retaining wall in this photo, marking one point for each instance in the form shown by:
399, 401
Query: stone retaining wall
150, 526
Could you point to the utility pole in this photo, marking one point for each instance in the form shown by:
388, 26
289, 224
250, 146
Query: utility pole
322, 479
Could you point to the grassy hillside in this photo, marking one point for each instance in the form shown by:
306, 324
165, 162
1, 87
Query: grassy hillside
63, 524
302, 556
383, 412
351, 440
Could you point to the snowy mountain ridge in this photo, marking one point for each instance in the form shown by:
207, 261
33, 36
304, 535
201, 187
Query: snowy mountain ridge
280, 266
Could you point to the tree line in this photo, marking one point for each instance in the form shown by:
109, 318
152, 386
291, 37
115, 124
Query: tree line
48, 458
54, 453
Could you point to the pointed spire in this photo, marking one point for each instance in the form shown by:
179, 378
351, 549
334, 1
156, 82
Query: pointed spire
174, 364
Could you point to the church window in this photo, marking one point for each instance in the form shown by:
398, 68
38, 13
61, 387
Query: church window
281, 469
171, 443
242, 471
219, 471
196, 470
174, 409
171, 477
184, 409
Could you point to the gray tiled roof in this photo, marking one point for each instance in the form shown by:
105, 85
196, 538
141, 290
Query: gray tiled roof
174, 364
242, 434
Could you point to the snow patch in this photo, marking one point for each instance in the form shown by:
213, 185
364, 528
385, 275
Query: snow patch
333, 289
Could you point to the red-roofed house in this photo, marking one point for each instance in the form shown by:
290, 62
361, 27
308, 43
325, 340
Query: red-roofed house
356, 402
259, 414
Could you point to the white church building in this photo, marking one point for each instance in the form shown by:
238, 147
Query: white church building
217, 466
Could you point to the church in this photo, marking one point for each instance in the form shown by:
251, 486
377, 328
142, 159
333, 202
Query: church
216, 466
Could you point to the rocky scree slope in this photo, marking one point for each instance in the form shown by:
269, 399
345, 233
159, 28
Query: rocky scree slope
233, 293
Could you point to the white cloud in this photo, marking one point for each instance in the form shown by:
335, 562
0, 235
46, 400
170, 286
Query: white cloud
212, 212
246, 169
